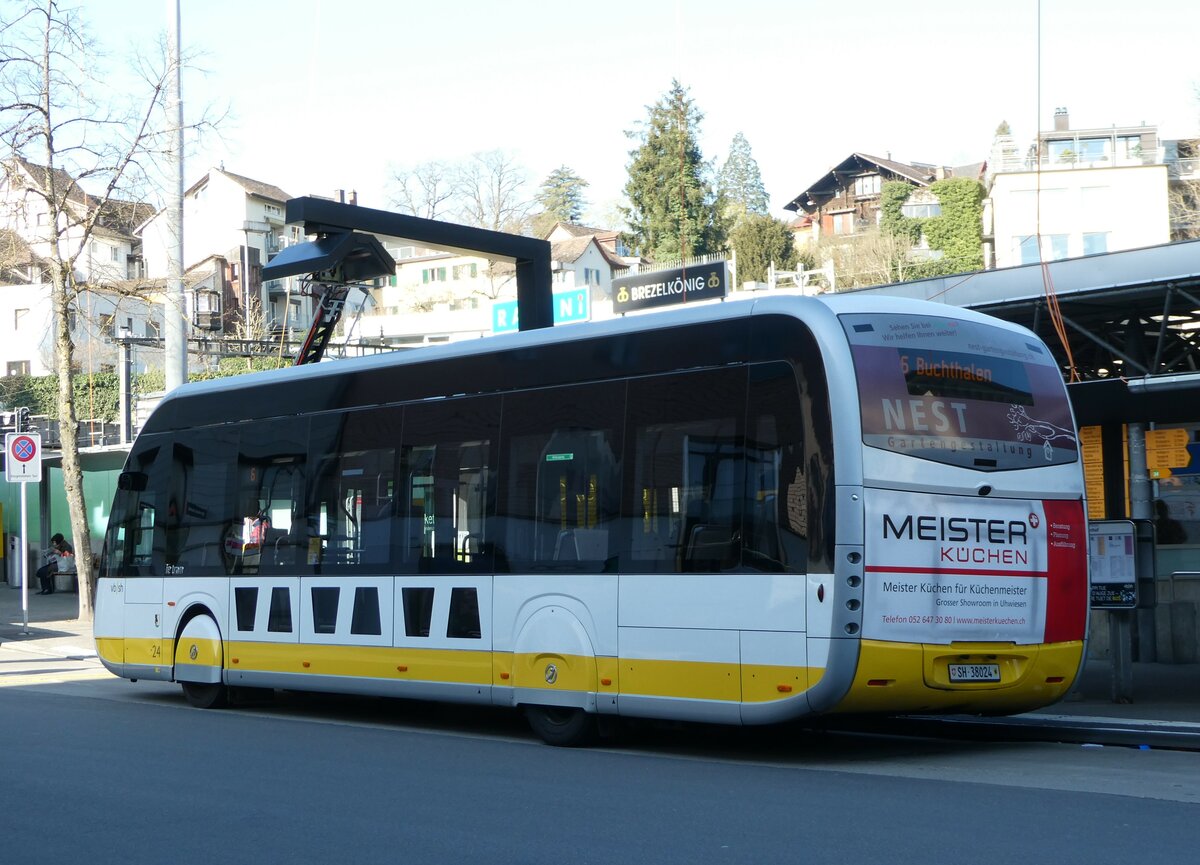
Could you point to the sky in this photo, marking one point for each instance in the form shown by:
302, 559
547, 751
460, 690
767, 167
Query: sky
328, 95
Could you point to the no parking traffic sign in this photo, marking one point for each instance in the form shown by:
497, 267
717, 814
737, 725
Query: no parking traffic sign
22, 457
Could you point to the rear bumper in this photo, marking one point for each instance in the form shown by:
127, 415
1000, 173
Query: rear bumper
899, 678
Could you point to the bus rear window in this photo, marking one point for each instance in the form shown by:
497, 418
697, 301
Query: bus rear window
959, 392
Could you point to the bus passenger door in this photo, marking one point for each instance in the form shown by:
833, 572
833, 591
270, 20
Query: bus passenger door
144, 627
555, 605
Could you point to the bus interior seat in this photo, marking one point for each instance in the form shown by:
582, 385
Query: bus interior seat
581, 545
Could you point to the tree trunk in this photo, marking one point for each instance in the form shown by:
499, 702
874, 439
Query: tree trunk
62, 292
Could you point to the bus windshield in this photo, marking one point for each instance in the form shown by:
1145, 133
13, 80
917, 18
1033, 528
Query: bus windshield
959, 392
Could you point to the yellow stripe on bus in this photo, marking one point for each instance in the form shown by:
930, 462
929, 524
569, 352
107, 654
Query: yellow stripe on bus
697, 680
375, 662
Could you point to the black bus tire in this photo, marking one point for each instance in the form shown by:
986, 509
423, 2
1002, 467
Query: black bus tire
205, 695
562, 726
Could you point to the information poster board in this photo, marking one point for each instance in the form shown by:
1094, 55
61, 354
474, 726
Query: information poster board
1113, 564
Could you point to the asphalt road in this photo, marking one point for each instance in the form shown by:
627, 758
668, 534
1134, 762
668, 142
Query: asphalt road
105, 771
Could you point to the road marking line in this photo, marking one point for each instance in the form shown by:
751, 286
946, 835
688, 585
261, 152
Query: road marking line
57, 677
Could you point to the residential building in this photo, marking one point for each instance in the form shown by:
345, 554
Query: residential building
847, 199
843, 211
107, 268
1081, 191
233, 225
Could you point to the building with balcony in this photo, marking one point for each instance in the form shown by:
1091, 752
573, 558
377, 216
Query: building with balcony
1080, 191
233, 225
846, 200
112, 253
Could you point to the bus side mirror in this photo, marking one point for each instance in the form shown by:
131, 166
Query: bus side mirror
135, 481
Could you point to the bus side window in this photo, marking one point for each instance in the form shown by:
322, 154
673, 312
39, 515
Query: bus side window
689, 471
562, 450
266, 533
447, 496
775, 536
351, 511
198, 505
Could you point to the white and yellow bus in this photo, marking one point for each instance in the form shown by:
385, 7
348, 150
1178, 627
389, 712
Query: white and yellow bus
739, 513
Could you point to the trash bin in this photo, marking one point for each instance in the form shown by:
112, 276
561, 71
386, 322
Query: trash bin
13, 561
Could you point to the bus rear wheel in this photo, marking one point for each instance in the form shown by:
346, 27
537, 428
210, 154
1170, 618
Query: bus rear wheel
562, 726
203, 695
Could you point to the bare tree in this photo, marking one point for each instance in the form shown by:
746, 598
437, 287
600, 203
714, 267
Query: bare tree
491, 191
872, 257
423, 190
67, 127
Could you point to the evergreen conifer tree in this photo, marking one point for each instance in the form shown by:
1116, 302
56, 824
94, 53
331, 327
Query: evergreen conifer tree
740, 183
673, 209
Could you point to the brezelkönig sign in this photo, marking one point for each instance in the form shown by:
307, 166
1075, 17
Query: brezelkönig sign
666, 287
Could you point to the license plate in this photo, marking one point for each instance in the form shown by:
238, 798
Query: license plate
974, 672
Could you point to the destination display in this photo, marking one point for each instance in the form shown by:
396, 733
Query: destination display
959, 392
666, 287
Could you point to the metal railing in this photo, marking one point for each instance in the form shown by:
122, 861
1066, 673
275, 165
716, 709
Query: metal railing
1067, 163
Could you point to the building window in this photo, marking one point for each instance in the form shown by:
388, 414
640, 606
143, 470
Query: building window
1095, 149
17, 367
1095, 242
19, 317
1025, 247
108, 326
114, 254
921, 211
465, 271
433, 274
1129, 146
843, 223
867, 184
1054, 247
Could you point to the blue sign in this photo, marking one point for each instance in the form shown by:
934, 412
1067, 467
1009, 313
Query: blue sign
572, 305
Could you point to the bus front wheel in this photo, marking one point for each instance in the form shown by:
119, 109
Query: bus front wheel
562, 726
203, 695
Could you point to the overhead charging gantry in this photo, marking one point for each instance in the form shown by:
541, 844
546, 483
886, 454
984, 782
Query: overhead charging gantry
347, 252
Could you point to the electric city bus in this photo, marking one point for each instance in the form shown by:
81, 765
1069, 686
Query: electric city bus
741, 512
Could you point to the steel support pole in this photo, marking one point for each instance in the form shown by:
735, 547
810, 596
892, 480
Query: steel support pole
175, 307
126, 392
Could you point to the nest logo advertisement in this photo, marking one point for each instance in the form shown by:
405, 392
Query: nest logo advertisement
950, 568
959, 392
665, 287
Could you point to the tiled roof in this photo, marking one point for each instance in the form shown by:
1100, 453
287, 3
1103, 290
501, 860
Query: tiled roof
120, 217
570, 250
62, 180
256, 187
14, 250
579, 230
856, 163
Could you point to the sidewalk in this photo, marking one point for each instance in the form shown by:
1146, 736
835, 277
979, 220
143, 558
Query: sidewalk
1165, 707
53, 623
